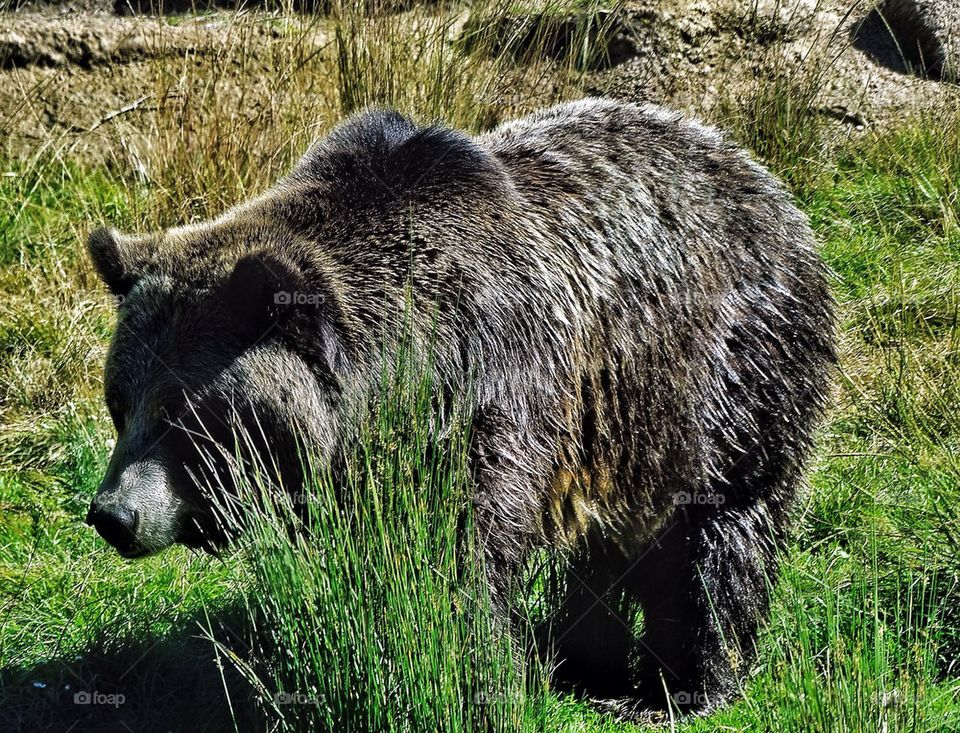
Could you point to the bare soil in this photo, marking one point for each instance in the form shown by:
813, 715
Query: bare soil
65, 79
704, 51
67, 70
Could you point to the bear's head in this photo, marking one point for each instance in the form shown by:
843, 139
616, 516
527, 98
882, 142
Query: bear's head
225, 351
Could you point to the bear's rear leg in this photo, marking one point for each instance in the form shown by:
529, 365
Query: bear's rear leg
704, 589
590, 637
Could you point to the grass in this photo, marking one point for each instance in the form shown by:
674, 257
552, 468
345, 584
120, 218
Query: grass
864, 632
373, 589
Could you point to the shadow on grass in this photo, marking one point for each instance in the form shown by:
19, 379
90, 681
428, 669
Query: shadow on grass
168, 683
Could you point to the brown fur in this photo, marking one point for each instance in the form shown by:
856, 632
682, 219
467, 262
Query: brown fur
637, 307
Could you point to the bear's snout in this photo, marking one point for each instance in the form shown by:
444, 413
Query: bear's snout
136, 509
116, 523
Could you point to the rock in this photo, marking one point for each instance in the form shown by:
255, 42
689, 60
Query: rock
927, 33
698, 23
43, 41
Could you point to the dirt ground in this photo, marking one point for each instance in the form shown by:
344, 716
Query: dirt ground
69, 69
704, 48
66, 78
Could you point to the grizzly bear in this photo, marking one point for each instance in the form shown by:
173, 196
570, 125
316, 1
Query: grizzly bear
639, 310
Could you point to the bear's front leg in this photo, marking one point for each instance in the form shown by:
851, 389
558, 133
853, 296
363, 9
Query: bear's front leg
509, 468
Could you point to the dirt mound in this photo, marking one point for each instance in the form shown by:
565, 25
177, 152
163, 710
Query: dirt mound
63, 79
62, 8
707, 51
86, 41
43, 40
63, 71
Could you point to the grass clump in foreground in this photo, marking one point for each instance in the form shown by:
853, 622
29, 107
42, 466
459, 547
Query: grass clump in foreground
369, 609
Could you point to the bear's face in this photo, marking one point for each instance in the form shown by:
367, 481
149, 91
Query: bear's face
199, 379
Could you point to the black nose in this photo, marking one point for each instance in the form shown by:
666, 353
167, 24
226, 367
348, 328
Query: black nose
115, 523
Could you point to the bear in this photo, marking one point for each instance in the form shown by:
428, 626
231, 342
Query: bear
638, 313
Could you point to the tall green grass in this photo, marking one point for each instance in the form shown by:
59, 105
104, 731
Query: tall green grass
369, 608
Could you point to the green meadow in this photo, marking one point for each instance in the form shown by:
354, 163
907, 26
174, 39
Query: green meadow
368, 625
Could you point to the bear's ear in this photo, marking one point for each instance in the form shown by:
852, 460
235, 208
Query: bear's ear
112, 256
266, 290
263, 287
